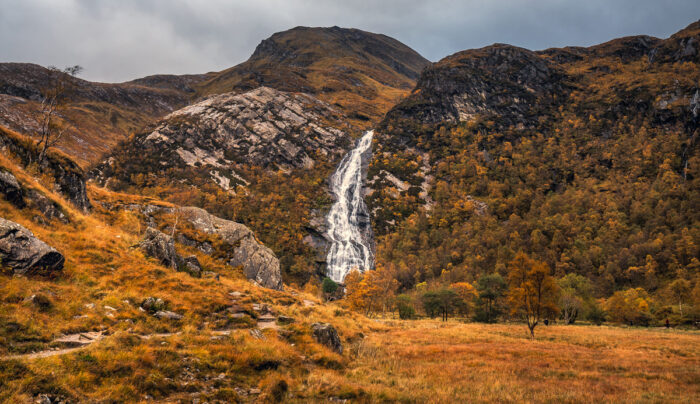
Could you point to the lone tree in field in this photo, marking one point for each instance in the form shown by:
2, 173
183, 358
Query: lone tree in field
533, 292
60, 85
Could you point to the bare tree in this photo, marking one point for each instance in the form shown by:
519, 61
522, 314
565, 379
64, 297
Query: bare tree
59, 87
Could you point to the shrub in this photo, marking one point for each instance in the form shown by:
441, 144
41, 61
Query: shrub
329, 286
405, 307
596, 314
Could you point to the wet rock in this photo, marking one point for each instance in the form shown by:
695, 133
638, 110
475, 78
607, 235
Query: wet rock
258, 262
11, 190
327, 335
26, 254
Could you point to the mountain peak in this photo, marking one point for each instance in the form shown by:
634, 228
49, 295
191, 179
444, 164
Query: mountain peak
361, 72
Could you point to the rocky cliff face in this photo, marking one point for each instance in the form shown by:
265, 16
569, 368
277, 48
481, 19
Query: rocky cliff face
513, 83
69, 178
263, 127
512, 93
242, 248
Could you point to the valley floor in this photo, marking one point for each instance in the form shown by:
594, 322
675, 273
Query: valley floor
431, 361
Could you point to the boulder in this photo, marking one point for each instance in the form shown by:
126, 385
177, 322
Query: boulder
160, 246
26, 254
259, 263
153, 304
191, 266
11, 190
168, 315
326, 334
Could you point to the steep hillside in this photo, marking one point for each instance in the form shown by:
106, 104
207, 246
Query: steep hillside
260, 157
97, 115
89, 310
362, 73
586, 158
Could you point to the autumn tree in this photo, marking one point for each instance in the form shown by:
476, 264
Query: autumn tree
631, 306
60, 85
533, 292
372, 291
466, 294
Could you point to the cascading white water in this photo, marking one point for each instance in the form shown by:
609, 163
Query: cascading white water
350, 246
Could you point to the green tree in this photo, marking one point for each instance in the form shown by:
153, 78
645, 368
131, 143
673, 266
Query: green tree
440, 302
575, 297
405, 307
490, 289
329, 286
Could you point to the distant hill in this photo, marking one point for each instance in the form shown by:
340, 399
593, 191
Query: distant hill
100, 114
361, 72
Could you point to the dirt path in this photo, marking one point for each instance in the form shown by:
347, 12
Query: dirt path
44, 354
81, 341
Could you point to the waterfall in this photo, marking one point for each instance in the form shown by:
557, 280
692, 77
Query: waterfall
348, 220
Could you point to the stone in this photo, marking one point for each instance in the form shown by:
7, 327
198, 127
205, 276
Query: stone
168, 315
258, 262
11, 190
26, 254
153, 304
159, 246
191, 266
48, 208
285, 320
327, 335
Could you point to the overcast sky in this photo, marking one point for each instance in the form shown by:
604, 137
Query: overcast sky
124, 39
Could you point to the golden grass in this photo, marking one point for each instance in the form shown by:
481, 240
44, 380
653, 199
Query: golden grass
384, 361
430, 361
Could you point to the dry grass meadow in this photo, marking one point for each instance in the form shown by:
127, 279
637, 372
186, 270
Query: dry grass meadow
433, 362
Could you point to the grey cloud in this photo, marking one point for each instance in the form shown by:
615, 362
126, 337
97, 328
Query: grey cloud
122, 40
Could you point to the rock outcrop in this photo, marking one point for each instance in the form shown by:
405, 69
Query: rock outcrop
160, 246
11, 190
243, 249
25, 254
327, 335
263, 128
68, 177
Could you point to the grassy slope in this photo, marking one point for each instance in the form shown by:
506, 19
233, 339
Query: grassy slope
404, 361
104, 269
363, 73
